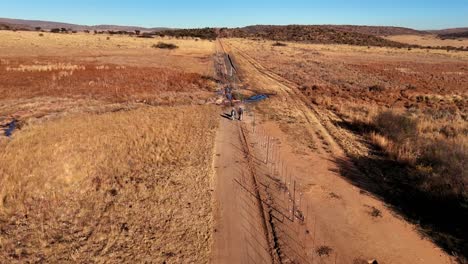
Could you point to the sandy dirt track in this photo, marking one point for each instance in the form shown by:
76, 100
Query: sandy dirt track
239, 235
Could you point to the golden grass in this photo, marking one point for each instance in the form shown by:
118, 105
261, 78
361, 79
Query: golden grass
334, 50
428, 40
191, 56
125, 186
95, 174
46, 67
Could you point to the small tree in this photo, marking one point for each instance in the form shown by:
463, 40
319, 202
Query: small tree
38, 28
137, 32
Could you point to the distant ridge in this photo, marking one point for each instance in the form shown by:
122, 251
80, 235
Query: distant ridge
48, 25
341, 34
322, 34
379, 30
449, 31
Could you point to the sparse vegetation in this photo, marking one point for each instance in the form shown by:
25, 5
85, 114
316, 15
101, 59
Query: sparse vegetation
374, 212
324, 251
334, 195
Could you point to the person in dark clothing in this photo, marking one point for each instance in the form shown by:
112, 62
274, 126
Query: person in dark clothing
240, 113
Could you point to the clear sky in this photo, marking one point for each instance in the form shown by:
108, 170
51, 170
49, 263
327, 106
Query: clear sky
419, 14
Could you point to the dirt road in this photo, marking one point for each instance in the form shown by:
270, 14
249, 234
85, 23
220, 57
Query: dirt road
311, 213
240, 234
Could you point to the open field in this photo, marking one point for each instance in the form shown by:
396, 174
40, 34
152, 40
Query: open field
112, 152
399, 115
109, 187
88, 67
428, 40
192, 56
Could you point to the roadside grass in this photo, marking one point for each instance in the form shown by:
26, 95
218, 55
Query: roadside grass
438, 158
117, 186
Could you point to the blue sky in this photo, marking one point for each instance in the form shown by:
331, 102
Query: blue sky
418, 14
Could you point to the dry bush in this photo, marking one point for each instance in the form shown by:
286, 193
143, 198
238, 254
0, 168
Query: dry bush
324, 251
279, 44
163, 45
202, 33
397, 127
445, 162
440, 161
127, 186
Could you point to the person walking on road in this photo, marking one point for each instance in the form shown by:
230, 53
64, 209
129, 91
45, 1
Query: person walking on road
233, 114
240, 113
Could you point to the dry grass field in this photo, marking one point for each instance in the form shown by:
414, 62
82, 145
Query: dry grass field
111, 158
127, 186
81, 68
399, 114
192, 55
428, 41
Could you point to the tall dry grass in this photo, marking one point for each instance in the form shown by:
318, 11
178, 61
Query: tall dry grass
125, 186
439, 157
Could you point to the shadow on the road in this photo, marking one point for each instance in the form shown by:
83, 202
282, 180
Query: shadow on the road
227, 116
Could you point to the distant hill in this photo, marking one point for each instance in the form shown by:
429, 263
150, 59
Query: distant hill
48, 25
327, 34
449, 31
379, 30
312, 34
458, 35
452, 33
12, 26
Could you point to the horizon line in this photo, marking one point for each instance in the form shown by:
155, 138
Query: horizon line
239, 26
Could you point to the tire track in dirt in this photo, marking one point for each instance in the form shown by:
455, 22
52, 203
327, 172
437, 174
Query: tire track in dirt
238, 238
315, 126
